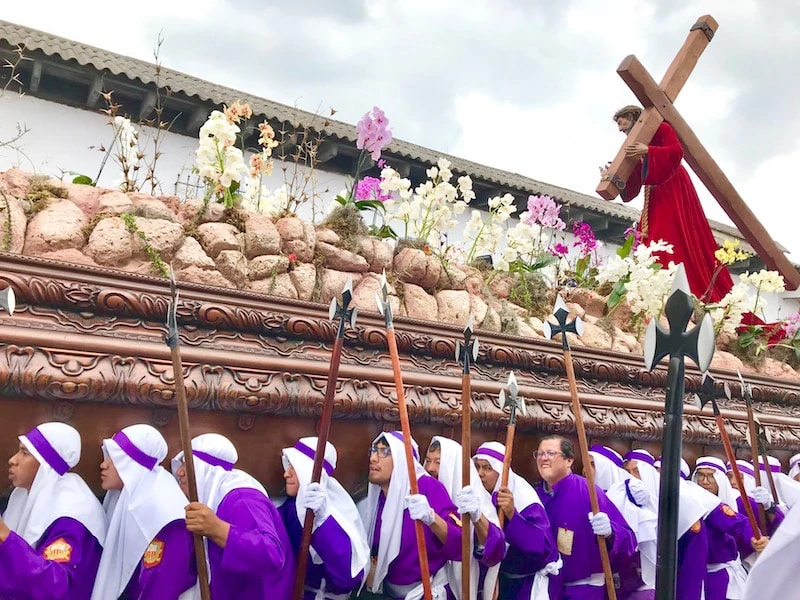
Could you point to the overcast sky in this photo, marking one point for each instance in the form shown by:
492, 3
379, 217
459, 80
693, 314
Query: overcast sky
523, 85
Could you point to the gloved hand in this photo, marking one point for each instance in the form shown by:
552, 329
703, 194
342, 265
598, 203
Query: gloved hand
639, 492
420, 509
601, 524
469, 503
316, 499
762, 496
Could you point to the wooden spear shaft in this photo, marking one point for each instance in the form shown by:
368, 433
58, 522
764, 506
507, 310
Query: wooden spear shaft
466, 463
751, 426
188, 457
319, 457
405, 426
510, 432
588, 471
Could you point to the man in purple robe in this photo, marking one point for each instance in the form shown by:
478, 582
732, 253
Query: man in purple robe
52, 532
148, 551
692, 534
532, 559
388, 514
731, 538
339, 554
443, 461
247, 547
566, 499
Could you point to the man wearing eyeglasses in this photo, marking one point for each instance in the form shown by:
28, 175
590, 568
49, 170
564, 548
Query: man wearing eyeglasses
389, 513
565, 496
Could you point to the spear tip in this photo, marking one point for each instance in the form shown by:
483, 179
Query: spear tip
560, 304
384, 284
513, 388
468, 328
680, 282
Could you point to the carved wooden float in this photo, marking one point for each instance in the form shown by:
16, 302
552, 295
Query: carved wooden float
86, 347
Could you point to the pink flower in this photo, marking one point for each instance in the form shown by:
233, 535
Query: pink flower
559, 250
586, 239
369, 188
373, 133
637, 236
292, 257
791, 325
544, 211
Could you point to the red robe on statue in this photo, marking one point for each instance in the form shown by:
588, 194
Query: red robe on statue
673, 213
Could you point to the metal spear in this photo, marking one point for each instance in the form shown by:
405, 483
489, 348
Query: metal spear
173, 341
385, 308
466, 352
753, 435
347, 316
551, 330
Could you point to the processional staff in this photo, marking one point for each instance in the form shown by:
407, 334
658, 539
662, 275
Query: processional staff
385, 308
347, 316
551, 330
757, 445
172, 340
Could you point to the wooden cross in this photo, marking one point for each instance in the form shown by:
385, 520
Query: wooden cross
657, 100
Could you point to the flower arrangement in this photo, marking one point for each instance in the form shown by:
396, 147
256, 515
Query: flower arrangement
583, 266
528, 242
220, 163
486, 230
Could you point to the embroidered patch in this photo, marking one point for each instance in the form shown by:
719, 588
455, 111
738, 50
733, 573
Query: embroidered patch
728, 510
455, 519
696, 527
59, 551
565, 538
154, 554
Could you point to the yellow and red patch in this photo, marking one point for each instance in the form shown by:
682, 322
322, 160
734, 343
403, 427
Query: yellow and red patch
154, 554
455, 519
696, 527
59, 551
728, 510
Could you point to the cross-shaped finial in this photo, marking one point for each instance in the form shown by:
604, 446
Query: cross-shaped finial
513, 401
467, 351
342, 309
7, 300
707, 393
382, 298
171, 338
697, 344
561, 312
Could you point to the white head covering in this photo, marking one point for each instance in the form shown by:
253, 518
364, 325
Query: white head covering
55, 493
726, 492
794, 466
746, 471
450, 476
643, 520
341, 505
788, 489
392, 518
657, 463
150, 500
685, 470
647, 472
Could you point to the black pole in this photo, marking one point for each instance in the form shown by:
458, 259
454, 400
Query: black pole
668, 501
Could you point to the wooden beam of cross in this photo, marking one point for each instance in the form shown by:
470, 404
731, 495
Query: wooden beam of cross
657, 101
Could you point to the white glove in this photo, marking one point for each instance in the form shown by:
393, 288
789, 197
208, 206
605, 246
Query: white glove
762, 496
316, 499
601, 524
420, 509
469, 503
640, 494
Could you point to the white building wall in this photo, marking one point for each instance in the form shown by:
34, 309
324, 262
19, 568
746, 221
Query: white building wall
61, 139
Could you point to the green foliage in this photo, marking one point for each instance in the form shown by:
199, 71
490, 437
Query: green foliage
158, 263
82, 180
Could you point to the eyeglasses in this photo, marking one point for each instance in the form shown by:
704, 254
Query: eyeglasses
704, 476
381, 451
547, 454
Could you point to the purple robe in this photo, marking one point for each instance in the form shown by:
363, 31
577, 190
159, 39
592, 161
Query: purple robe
168, 567
26, 574
728, 531
257, 560
404, 569
692, 553
530, 547
568, 507
332, 544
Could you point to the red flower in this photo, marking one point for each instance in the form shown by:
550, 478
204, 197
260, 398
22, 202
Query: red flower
292, 257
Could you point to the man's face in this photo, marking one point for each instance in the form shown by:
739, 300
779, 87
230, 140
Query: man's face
432, 461
109, 478
705, 479
22, 468
182, 480
381, 464
732, 479
624, 124
632, 467
487, 474
292, 482
553, 466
